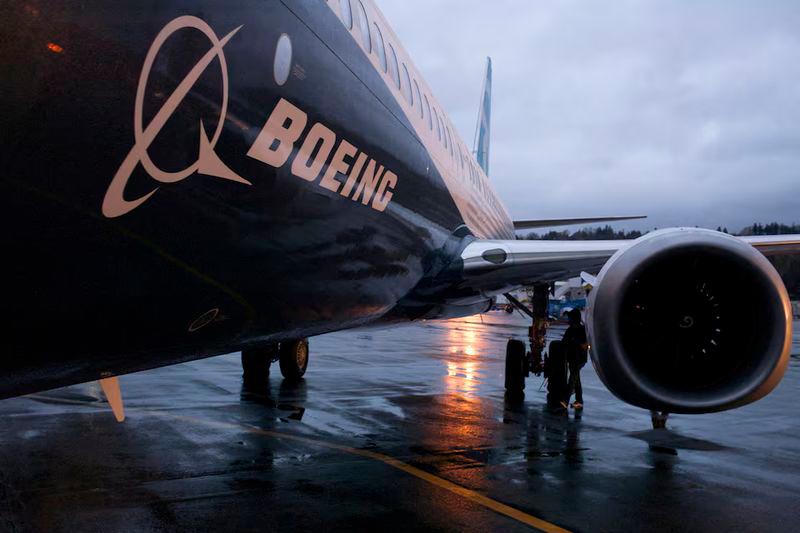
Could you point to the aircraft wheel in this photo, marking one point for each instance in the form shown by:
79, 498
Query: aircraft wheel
515, 366
294, 359
256, 363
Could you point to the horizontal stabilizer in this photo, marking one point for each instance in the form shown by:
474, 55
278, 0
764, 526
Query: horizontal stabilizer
549, 222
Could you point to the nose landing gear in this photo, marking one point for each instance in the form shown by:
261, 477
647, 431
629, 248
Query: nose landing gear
291, 355
294, 359
256, 362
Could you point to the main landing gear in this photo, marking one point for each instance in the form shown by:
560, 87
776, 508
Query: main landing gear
291, 355
517, 368
519, 362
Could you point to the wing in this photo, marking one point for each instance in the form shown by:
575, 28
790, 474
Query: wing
550, 222
495, 266
775, 244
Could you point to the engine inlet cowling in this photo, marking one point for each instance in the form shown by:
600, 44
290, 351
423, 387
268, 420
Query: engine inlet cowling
689, 321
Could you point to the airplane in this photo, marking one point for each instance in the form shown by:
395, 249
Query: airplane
187, 179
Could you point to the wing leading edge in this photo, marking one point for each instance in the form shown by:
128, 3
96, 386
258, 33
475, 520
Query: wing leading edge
774, 244
550, 222
496, 266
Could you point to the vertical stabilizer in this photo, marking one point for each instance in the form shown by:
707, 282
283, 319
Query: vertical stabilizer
483, 129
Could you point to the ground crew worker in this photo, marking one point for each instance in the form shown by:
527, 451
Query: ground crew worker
576, 347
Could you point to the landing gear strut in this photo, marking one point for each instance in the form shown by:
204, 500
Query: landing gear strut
519, 363
292, 355
659, 419
538, 330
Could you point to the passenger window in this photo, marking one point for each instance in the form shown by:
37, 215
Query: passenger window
428, 111
379, 46
418, 98
394, 70
347, 14
407, 86
450, 140
363, 24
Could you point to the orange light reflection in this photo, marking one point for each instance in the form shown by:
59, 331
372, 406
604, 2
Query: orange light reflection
53, 47
464, 365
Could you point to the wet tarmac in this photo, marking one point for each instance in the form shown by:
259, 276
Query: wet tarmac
399, 430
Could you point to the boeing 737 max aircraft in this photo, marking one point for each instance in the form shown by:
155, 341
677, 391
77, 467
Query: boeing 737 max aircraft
182, 179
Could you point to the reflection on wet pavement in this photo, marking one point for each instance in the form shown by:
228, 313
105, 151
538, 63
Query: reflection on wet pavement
201, 452
464, 363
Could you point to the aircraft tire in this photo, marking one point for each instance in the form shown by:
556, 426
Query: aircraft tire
515, 367
294, 359
256, 362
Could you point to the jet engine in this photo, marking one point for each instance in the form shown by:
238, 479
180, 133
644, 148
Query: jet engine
689, 321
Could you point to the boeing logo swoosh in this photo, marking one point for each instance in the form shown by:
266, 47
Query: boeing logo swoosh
208, 163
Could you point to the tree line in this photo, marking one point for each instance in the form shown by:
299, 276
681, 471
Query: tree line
585, 234
788, 266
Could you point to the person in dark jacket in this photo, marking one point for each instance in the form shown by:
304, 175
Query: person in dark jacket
576, 346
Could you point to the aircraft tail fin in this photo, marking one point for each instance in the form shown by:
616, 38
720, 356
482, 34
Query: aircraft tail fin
483, 128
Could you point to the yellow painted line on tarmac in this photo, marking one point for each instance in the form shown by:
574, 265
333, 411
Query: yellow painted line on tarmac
449, 486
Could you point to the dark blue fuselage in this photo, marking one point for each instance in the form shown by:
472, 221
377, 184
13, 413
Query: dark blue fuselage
205, 265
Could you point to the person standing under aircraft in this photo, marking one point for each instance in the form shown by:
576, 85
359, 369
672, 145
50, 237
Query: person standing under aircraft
576, 347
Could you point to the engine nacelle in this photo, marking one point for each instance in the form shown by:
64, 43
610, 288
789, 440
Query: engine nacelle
689, 321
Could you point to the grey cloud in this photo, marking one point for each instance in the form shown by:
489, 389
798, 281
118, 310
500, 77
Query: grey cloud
686, 111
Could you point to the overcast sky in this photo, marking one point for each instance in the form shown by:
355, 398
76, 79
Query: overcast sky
687, 111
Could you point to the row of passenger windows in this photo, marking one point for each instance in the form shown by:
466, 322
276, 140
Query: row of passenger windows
373, 42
